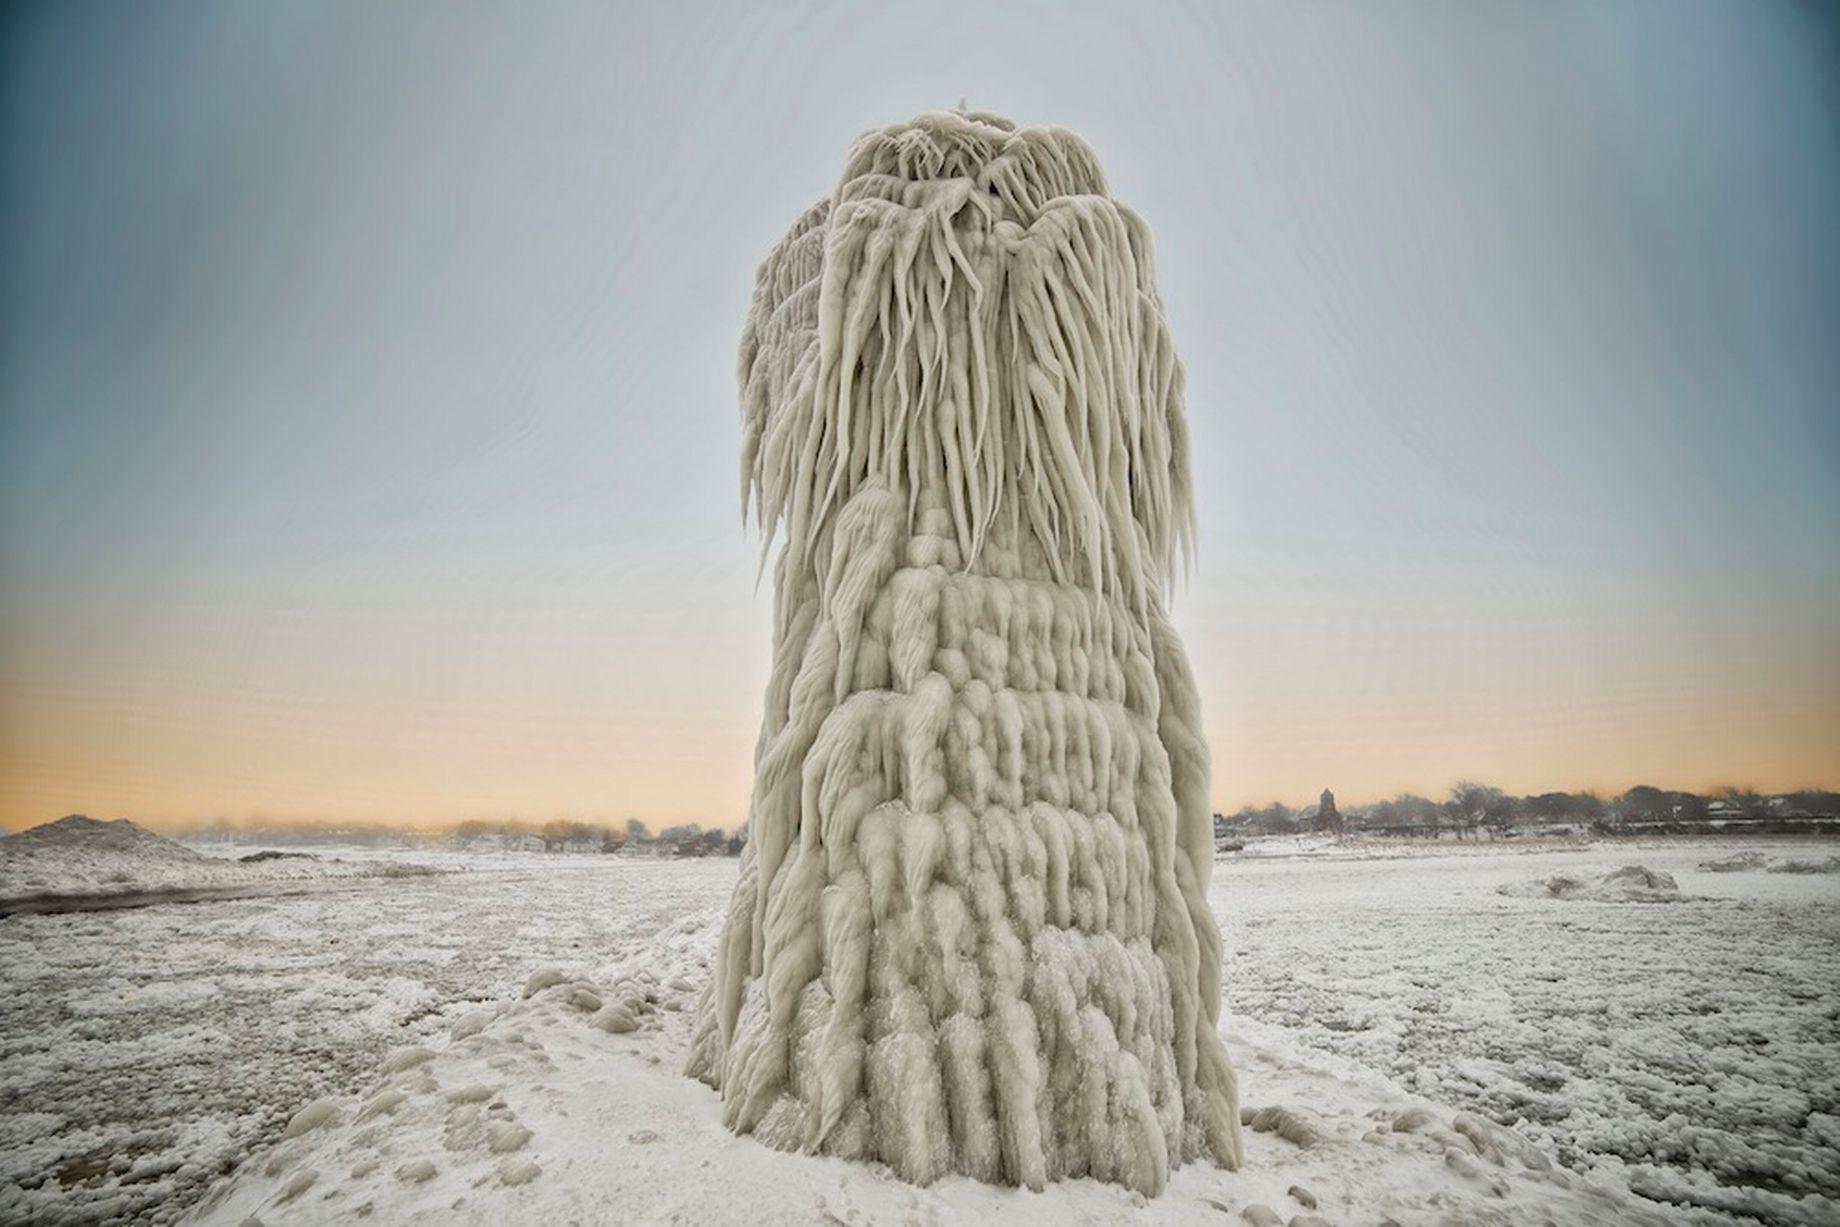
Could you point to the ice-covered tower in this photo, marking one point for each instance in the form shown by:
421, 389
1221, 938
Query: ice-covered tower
971, 929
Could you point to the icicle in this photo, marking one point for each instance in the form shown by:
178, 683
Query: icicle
971, 931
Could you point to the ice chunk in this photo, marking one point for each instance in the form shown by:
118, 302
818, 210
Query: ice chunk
315, 1114
547, 977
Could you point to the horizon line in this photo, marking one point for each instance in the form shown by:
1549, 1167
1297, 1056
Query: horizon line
655, 826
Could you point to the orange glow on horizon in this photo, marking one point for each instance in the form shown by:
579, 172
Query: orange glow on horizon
665, 733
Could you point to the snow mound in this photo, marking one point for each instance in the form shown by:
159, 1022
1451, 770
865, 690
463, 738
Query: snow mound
1737, 862
1742, 861
1630, 884
78, 859
1830, 865
80, 831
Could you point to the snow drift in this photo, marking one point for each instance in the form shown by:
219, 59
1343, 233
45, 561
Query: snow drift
1743, 861
1828, 865
1630, 884
1737, 862
971, 931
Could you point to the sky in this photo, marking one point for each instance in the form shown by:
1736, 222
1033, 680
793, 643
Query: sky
368, 431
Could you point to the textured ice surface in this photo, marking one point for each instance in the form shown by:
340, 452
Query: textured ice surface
1689, 1052
1684, 1051
603, 1131
971, 932
144, 1052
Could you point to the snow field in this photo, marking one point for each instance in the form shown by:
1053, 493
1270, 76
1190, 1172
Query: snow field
1688, 1051
536, 1111
1685, 1052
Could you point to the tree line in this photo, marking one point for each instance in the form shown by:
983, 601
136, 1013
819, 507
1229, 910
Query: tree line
555, 835
1475, 807
566, 835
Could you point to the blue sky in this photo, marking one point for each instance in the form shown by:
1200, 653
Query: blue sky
368, 431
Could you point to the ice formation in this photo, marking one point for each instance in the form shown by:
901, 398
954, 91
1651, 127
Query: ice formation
971, 931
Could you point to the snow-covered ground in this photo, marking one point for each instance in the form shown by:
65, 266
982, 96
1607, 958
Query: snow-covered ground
143, 1052
1433, 1042
1688, 1051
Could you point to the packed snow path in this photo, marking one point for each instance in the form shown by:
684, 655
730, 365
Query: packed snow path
143, 1052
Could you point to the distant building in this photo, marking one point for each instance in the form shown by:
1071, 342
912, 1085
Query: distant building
1327, 817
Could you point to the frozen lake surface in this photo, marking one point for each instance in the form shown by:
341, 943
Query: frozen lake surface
1687, 1052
